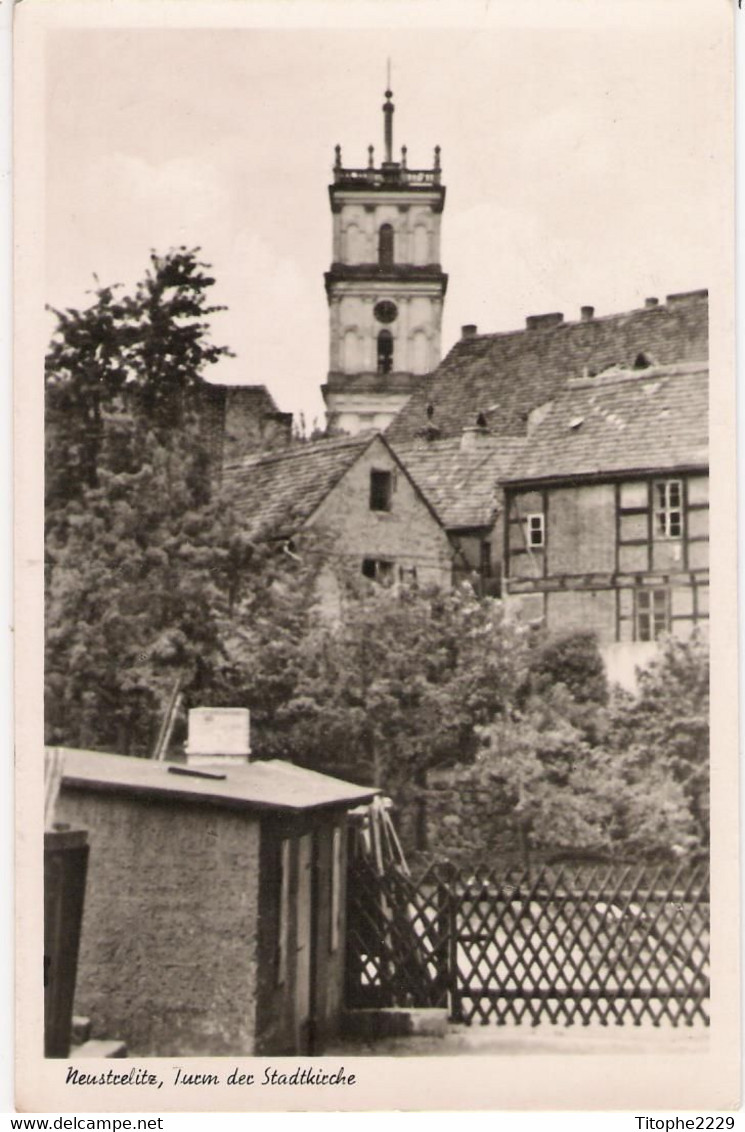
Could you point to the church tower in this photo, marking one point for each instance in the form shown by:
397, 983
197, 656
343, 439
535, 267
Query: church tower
385, 288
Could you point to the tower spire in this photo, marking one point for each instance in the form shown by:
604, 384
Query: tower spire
388, 109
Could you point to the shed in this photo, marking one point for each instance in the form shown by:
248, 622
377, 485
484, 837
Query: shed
214, 920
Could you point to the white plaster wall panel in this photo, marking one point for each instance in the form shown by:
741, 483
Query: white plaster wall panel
421, 254
420, 347
351, 351
336, 237
353, 244
421, 312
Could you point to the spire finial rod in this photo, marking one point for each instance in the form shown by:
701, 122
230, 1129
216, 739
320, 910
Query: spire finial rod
388, 117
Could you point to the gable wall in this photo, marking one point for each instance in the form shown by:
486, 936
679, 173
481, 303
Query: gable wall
408, 535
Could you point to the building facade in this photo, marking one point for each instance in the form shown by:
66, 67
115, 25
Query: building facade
385, 287
358, 496
460, 477
608, 511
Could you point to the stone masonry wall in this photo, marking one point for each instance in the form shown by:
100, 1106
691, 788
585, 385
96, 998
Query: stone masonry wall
465, 818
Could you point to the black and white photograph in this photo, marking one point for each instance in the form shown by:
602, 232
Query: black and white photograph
368, 358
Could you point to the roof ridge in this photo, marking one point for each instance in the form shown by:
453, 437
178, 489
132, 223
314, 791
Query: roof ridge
692, 297
624, 375
301, 448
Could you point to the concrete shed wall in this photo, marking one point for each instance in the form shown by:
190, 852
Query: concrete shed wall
168, 956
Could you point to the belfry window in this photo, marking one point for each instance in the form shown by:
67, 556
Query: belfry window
385, 246
385, 351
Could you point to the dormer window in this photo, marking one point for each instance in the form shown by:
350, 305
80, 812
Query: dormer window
385, 246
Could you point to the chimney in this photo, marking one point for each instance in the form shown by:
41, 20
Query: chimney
470, 330
687, 297
587, 314
218, 737
543, 321
651, 303
474, 436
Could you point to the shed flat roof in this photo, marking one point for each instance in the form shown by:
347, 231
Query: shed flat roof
273, 784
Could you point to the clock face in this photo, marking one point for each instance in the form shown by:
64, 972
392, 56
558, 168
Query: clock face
385, 311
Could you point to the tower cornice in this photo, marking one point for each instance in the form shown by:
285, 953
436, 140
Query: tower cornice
397, 273
413, 191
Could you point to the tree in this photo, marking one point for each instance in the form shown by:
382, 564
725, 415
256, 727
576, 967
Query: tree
142, 562
142, 354
629, 779
664, 729
139, 587
401, 683
574, 660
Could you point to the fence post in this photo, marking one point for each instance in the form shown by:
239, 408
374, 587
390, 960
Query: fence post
447, 917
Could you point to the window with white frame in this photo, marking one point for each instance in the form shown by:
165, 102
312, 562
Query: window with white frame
668, 509
652, 614
535, 531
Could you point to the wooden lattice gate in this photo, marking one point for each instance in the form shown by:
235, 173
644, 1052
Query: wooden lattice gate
561, 946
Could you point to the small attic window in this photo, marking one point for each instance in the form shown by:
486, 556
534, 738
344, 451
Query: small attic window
641, 361
576, 423
381, 490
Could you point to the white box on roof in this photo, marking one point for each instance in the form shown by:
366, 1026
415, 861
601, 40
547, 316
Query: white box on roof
218, 731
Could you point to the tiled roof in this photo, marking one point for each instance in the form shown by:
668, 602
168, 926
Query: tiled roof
258, 785
276, 492
504, 376
460, 482
656, 419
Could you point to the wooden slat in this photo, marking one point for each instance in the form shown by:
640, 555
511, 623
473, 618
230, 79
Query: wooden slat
612, 945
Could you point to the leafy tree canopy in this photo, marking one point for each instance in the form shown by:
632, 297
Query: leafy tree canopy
141, 353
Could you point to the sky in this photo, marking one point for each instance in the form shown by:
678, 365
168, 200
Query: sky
582, 164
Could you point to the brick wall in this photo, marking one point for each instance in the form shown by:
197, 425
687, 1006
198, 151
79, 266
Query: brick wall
408, 535
239, 420
168, 949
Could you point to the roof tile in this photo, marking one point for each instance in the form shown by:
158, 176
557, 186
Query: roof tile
460, 483
278, 491
655, 419
504, 376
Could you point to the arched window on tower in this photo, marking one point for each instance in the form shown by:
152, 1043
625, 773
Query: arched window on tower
385, 246
385, 351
